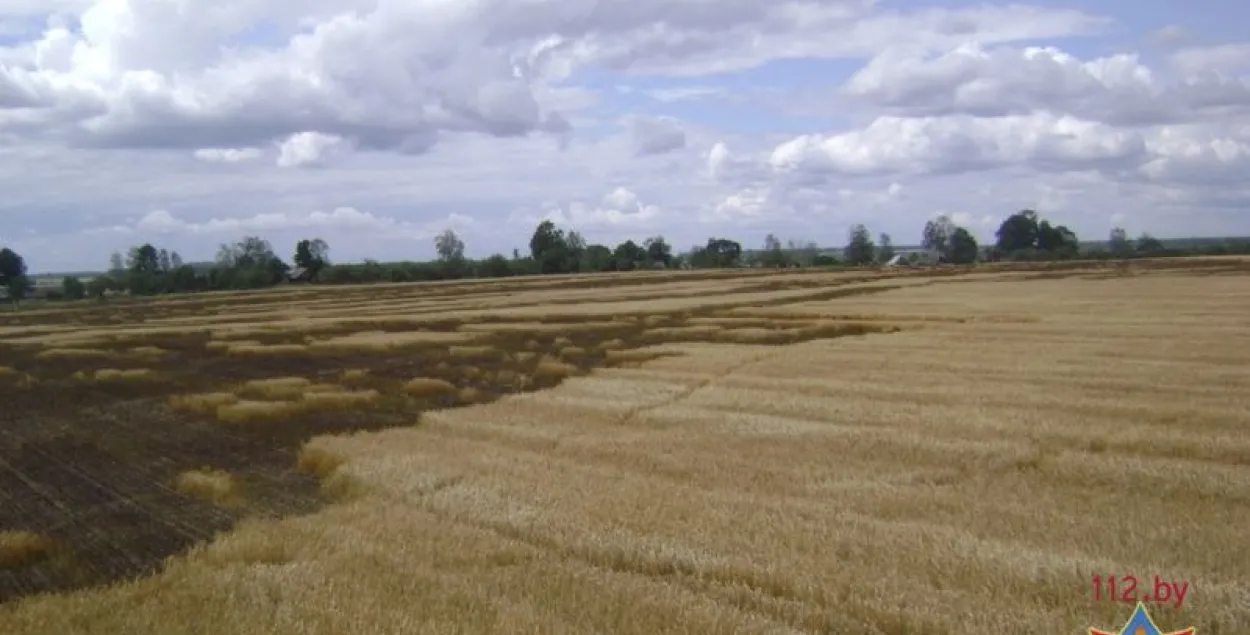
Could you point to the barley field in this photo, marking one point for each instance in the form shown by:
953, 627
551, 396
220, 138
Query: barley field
892, 453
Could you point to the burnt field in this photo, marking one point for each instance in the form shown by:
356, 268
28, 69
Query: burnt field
735, 452
132, 432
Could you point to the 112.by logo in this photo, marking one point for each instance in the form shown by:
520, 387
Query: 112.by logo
1140, 624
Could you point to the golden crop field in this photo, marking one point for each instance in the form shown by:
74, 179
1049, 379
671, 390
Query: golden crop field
938, 452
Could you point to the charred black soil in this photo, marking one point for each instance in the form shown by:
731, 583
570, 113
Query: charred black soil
90, 460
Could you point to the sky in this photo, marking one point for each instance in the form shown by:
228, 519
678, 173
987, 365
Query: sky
377, 124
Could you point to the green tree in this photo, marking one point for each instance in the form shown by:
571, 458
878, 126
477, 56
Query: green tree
1118, 242
312, 255
859, 248
773, 254
496, 266
1056, 239
717, 253
885, 248
1147, 244
550, 249
658, 250
1017, 232
73, 288
937, 235
628, 256
13, 278
596, 258
963, 247
450, 254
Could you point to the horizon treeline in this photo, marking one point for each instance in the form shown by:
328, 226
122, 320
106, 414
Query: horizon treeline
253, 262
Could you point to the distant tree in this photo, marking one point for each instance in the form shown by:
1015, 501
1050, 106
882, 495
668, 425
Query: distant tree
1056, 239
885, 248
175, 261
773, 255
859, 248
549, 249
13, 276
802, 253
1147, 244
73, 288
1119, 242
717, 253
658, 250
1017, 232
312, 256
116, 264
937, 235
450, 254
163, 262
144, 259
496, 266
628, 256
962, 248
596, 258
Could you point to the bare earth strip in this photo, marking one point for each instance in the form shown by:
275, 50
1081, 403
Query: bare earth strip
970, 474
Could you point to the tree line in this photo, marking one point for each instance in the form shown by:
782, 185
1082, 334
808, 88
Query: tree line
252, 262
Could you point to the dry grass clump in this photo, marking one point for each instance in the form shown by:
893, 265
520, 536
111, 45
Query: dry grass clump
275, 388
470, 395
842, 328
8, 372
128, 374
218, 487
613, 344
72, 353
572, 352
473, 352
148, 352
20, 548
317, 460
355, 374
525, 357
222, 345
538, 327
428, 387
202, 403
561, 342
381, 341
751, 335
339, 399
251, 411
549, 368
682, 332
634, 356
252, 350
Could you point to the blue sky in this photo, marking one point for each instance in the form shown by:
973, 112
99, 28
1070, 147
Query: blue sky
194, 124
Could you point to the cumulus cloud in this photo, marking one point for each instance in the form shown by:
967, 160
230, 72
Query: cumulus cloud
309, 149
960, 143
620, 208
342, 219
974, 80
417, 111
656, 135
227, 155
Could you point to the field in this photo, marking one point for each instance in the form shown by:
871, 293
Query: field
933, 452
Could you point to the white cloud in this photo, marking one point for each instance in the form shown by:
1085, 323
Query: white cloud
418, 113
620, 208
657, 135
343, 219
309, 149
227, 155
971, 79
